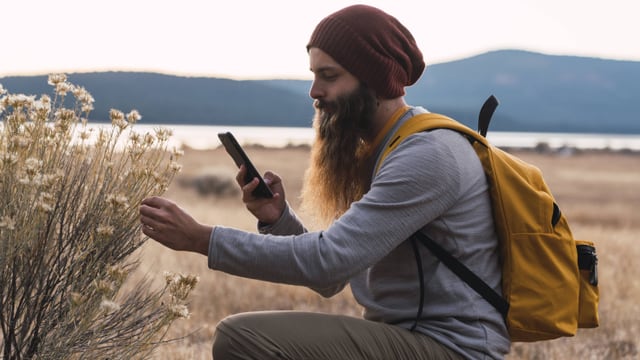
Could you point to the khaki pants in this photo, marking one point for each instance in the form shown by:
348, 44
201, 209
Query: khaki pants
298, 335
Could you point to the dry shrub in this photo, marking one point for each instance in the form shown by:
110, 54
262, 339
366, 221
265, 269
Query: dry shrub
69, 225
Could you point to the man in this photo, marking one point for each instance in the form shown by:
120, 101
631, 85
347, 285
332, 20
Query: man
362, 59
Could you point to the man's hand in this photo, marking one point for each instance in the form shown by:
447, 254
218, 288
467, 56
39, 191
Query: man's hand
165, 222
267, 211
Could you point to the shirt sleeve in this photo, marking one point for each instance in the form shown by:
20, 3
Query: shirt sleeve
287, 224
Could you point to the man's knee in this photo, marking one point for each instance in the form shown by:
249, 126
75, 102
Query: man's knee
223, 342
246, 336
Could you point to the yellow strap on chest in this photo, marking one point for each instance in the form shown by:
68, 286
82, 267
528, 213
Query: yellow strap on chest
422, 122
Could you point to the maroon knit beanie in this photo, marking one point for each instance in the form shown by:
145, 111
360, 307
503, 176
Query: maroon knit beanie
373, 46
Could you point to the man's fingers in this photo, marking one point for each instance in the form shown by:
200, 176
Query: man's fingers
148, 222
250, 186
148, 213
148, 230
150, 201
240, 175
151, 232
155, 202
154, 211
271, 177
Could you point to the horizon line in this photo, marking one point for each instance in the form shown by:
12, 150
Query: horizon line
275, 76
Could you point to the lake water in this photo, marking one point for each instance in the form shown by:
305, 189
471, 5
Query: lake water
206, 137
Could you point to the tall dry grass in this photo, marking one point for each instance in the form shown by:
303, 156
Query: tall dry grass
599, 193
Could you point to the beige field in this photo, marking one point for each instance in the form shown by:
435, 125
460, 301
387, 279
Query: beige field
599, 193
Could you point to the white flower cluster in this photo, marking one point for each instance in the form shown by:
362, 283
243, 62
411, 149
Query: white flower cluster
179, 286
118, 200
7, 222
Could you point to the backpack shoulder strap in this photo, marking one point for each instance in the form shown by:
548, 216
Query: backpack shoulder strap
464, 273
424, 122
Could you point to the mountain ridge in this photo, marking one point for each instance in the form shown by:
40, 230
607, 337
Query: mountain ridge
537, 92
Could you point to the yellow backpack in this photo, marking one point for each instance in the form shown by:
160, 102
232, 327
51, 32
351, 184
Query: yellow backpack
549, 280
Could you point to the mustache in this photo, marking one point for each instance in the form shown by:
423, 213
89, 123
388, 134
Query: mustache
325, 106
352, 112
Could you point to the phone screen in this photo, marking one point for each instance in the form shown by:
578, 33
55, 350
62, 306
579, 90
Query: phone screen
240, 158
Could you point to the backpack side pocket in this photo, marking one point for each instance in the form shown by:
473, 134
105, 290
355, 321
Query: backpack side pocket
589, 293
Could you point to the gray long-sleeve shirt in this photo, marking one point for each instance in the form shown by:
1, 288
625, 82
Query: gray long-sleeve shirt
432, 182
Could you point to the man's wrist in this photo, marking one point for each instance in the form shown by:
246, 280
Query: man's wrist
203, 237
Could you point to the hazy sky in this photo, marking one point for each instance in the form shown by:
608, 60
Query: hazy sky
247, 39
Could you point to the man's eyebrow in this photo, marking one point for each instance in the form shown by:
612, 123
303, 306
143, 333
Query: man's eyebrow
325, 68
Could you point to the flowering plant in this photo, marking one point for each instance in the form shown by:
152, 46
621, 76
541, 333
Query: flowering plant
69, 195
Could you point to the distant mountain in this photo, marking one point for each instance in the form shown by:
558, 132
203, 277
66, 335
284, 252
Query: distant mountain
536, 92
167, 99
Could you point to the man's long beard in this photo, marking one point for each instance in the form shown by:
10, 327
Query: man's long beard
340, 172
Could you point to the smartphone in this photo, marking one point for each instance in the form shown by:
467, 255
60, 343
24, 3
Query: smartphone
240, 158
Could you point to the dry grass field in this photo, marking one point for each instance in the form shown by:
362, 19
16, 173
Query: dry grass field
599, 193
